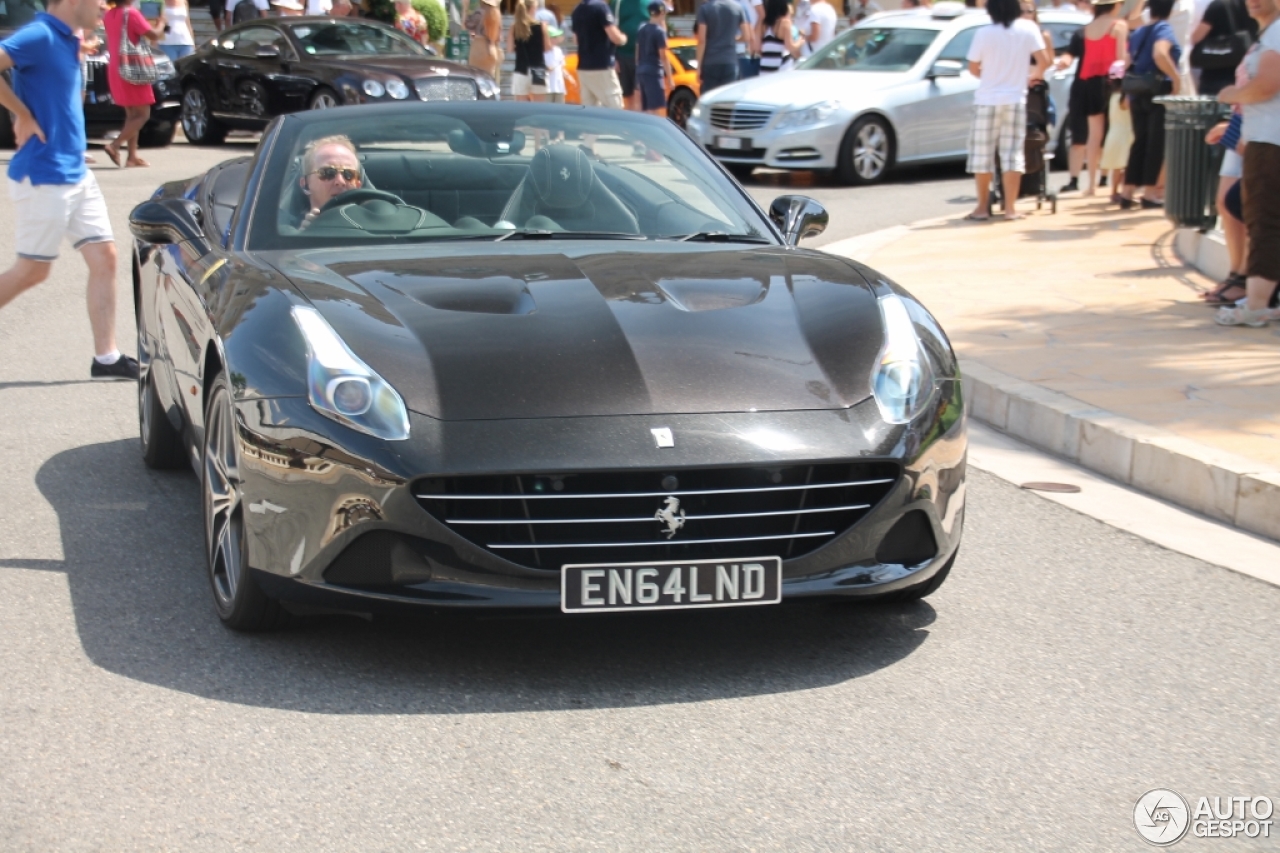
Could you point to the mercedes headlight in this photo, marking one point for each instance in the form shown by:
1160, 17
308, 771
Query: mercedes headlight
373, 88
397, 89
905, 374
696, 112
805, 116
343, 387
488, 88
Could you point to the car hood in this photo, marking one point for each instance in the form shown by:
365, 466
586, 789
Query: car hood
617, 332
407, 66
780, 90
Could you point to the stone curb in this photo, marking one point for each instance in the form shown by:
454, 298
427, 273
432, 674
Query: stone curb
1218, 484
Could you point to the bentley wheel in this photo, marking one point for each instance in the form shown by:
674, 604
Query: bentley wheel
161, 444
680, 106
198, 123
240, 603
866, 152
324, 99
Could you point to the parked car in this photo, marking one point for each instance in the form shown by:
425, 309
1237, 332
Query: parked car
894, 89
253, 72
101, 115
683, 53
567, 377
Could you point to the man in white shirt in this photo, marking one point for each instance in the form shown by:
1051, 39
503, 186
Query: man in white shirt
1001, 55
822, 24
319, 7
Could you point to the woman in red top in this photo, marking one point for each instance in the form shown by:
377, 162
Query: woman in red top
135, 99
1106, 40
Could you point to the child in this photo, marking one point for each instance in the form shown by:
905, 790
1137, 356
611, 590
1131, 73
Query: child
1115, 150
653, 68
554, 60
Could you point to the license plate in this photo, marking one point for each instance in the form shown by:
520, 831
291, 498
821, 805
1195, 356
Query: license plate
670, 585
733, 143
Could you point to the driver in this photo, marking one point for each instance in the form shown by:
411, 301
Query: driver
330, 168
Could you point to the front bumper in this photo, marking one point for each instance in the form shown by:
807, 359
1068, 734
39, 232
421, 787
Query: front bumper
315, 508
815, 146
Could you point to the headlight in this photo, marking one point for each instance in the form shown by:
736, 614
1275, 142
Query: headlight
904, 377
343, 387
488, 88
696, 112
373, 88
807, 115
397, 89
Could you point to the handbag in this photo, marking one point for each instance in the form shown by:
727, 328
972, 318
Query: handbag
538, 76
135, 64
1222, 52
1145, 85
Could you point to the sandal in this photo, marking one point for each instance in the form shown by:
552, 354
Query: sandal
1215, 296
113, 154
973, 217
1229, 295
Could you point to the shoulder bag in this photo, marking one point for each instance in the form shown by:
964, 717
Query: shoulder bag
1222, 52
135, 63
1148, 84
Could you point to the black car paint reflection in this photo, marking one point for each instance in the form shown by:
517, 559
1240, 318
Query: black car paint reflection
530, 359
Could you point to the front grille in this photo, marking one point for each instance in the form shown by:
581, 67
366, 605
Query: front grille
543, 521
734, 117
446, 89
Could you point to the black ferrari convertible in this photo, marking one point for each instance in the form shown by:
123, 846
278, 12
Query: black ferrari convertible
529, 356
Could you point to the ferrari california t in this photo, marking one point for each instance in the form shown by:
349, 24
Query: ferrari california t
531, 356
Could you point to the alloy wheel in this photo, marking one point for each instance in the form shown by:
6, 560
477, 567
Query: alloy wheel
195, 114
223, 511
870, 151
323, 101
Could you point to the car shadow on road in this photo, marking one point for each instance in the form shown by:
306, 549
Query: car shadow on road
131, 541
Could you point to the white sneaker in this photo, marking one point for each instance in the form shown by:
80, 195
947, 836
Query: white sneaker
1242, 316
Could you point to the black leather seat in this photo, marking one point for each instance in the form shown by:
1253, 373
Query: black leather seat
562, 192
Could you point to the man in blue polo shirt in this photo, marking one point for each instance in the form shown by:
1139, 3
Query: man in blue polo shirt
54, 196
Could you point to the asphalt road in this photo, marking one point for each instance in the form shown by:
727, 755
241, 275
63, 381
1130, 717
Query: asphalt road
1063, 670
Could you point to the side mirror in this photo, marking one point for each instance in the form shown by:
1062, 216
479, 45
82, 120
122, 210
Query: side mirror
798, 217
167, 220
267, 51
946, 68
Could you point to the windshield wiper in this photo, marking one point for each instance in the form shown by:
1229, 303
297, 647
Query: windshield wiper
720, 237
546, 234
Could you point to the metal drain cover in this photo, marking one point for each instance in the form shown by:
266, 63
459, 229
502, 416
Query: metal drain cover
1066, 488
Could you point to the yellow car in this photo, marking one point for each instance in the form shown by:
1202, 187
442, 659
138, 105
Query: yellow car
684, 64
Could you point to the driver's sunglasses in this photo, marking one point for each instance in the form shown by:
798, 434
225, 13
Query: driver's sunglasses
328, 173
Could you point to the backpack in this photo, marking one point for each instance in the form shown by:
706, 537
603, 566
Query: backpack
244, 11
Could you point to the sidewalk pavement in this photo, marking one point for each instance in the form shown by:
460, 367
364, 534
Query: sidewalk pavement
1081, 332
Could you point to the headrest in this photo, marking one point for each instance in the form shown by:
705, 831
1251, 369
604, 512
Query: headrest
465, 141
561, 176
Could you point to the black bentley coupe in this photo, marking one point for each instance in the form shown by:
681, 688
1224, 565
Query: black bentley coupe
530, 356
251, 73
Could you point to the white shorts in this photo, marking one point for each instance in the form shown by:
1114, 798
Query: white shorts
46, 213
1232, 165
522, 86
600, 89
998, 129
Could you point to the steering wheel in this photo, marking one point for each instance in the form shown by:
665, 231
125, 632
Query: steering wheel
359, 196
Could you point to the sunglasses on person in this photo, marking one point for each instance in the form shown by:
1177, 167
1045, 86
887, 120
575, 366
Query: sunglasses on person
328, 173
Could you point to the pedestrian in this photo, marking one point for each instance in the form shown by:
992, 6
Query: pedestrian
546, 16
179, 38
822, 25
123, 21
653, 66
863, 9
485, 26
717, 27
218, 14
529, 43
631, 16
1259, 100
781, 45
554, 59
54, 195
1000, 56
1155, 53
1227, 134
1115, 149
319, 7
411, 22
1217, 46
749, 50
288, 8
1104, 42
598, 37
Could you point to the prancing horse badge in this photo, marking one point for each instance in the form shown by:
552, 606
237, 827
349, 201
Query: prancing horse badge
662, 437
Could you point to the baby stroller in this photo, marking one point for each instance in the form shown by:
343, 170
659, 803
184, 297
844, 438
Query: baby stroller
1035, 180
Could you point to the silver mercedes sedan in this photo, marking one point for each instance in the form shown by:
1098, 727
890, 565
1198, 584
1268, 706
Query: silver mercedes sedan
894, 89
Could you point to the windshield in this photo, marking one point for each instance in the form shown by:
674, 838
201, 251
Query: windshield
688, 56
17, 13
353, 39
420, 173
873, 49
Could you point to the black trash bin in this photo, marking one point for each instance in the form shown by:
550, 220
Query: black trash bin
1191, 166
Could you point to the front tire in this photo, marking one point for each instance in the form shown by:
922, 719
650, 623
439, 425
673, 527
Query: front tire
680, 106
741, 171
929, 587
198, 123
866, 153
240, 602
323, 98
162, 447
